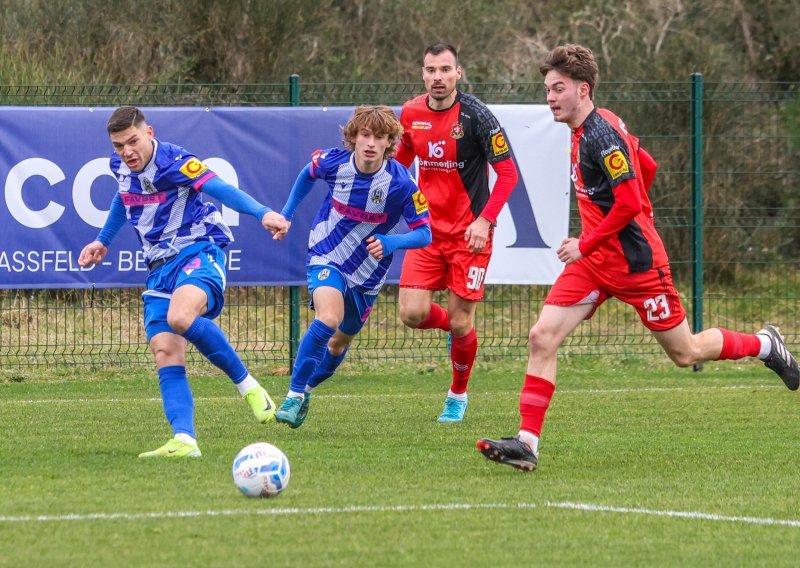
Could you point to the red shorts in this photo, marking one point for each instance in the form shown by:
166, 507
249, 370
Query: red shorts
447, 264
652, 293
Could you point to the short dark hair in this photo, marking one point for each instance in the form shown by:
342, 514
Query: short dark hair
576, 62
123, 118
440, 47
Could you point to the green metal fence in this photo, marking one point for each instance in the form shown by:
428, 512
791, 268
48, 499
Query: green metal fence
725, 201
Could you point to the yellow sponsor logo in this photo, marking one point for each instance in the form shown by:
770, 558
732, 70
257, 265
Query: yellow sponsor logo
420, 203
616, 164
499, 144
193, 168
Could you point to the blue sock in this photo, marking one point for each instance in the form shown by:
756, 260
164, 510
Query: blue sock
177, 398
326, 367
312, 348
212, 343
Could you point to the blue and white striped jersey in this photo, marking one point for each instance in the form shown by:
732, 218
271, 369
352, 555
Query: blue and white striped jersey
358, 206
164, 204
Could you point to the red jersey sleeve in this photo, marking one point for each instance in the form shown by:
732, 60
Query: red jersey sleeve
627, 205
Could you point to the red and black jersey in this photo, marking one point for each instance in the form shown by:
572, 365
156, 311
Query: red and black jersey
454, 147
607, 174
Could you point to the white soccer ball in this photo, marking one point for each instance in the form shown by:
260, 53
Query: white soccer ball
261, 470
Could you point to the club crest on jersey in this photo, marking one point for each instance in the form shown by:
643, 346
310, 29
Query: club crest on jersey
376, 196
499, 145
616, 164
420, 202
147, 185
193, 168
457, 131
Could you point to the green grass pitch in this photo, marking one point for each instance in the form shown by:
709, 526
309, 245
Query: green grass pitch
640, 465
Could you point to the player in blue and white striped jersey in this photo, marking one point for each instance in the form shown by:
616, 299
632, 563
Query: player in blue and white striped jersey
182, 237
350, 246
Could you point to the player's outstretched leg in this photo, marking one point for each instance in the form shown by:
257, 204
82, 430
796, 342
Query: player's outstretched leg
779, 358
509, 451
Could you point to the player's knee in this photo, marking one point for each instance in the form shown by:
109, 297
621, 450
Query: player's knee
337, 346
682, 358
412, 316
540, 339
329, 319
460, 324
166, 355
179, 321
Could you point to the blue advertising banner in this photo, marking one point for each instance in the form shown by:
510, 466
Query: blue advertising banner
57, 188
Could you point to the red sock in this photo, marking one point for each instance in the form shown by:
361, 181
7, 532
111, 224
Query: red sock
533, 403
437, 319
736, 345
462, 354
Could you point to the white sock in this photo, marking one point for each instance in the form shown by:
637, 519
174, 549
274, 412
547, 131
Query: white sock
293, 394
462, 396
186, 438
766, 345
248, 383
531, 440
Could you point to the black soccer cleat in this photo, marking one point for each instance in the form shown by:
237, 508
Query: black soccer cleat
510, 451
779, 358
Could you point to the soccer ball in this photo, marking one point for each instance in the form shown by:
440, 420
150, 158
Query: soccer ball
261, 470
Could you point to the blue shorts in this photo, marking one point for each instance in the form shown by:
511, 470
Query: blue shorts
357, 304
201, 264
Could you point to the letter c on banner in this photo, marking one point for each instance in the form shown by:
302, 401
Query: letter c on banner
82, 191
16, 179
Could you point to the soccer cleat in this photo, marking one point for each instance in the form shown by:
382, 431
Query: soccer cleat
174, 449
289, 412
453, 411
261, 404
779, 359
303, 412
510, 451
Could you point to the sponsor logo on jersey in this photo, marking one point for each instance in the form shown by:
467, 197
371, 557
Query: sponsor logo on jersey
436, 149
457, 131
616, 164
357, 214
421, 125
499, 145
133, 199
420, 202
193, 168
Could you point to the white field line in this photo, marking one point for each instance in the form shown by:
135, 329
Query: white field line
411, 394
585, 507
683, 514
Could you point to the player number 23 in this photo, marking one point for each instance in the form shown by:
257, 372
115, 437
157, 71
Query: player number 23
657, 308
475, 277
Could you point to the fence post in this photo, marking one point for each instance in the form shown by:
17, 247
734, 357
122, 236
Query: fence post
697, 205
294, 291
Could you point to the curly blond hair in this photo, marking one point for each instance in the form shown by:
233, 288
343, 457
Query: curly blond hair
380, 119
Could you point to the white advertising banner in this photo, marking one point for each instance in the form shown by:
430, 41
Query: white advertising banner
535, 220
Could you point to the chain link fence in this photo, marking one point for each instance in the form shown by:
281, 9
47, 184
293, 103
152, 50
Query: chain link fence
746, 275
